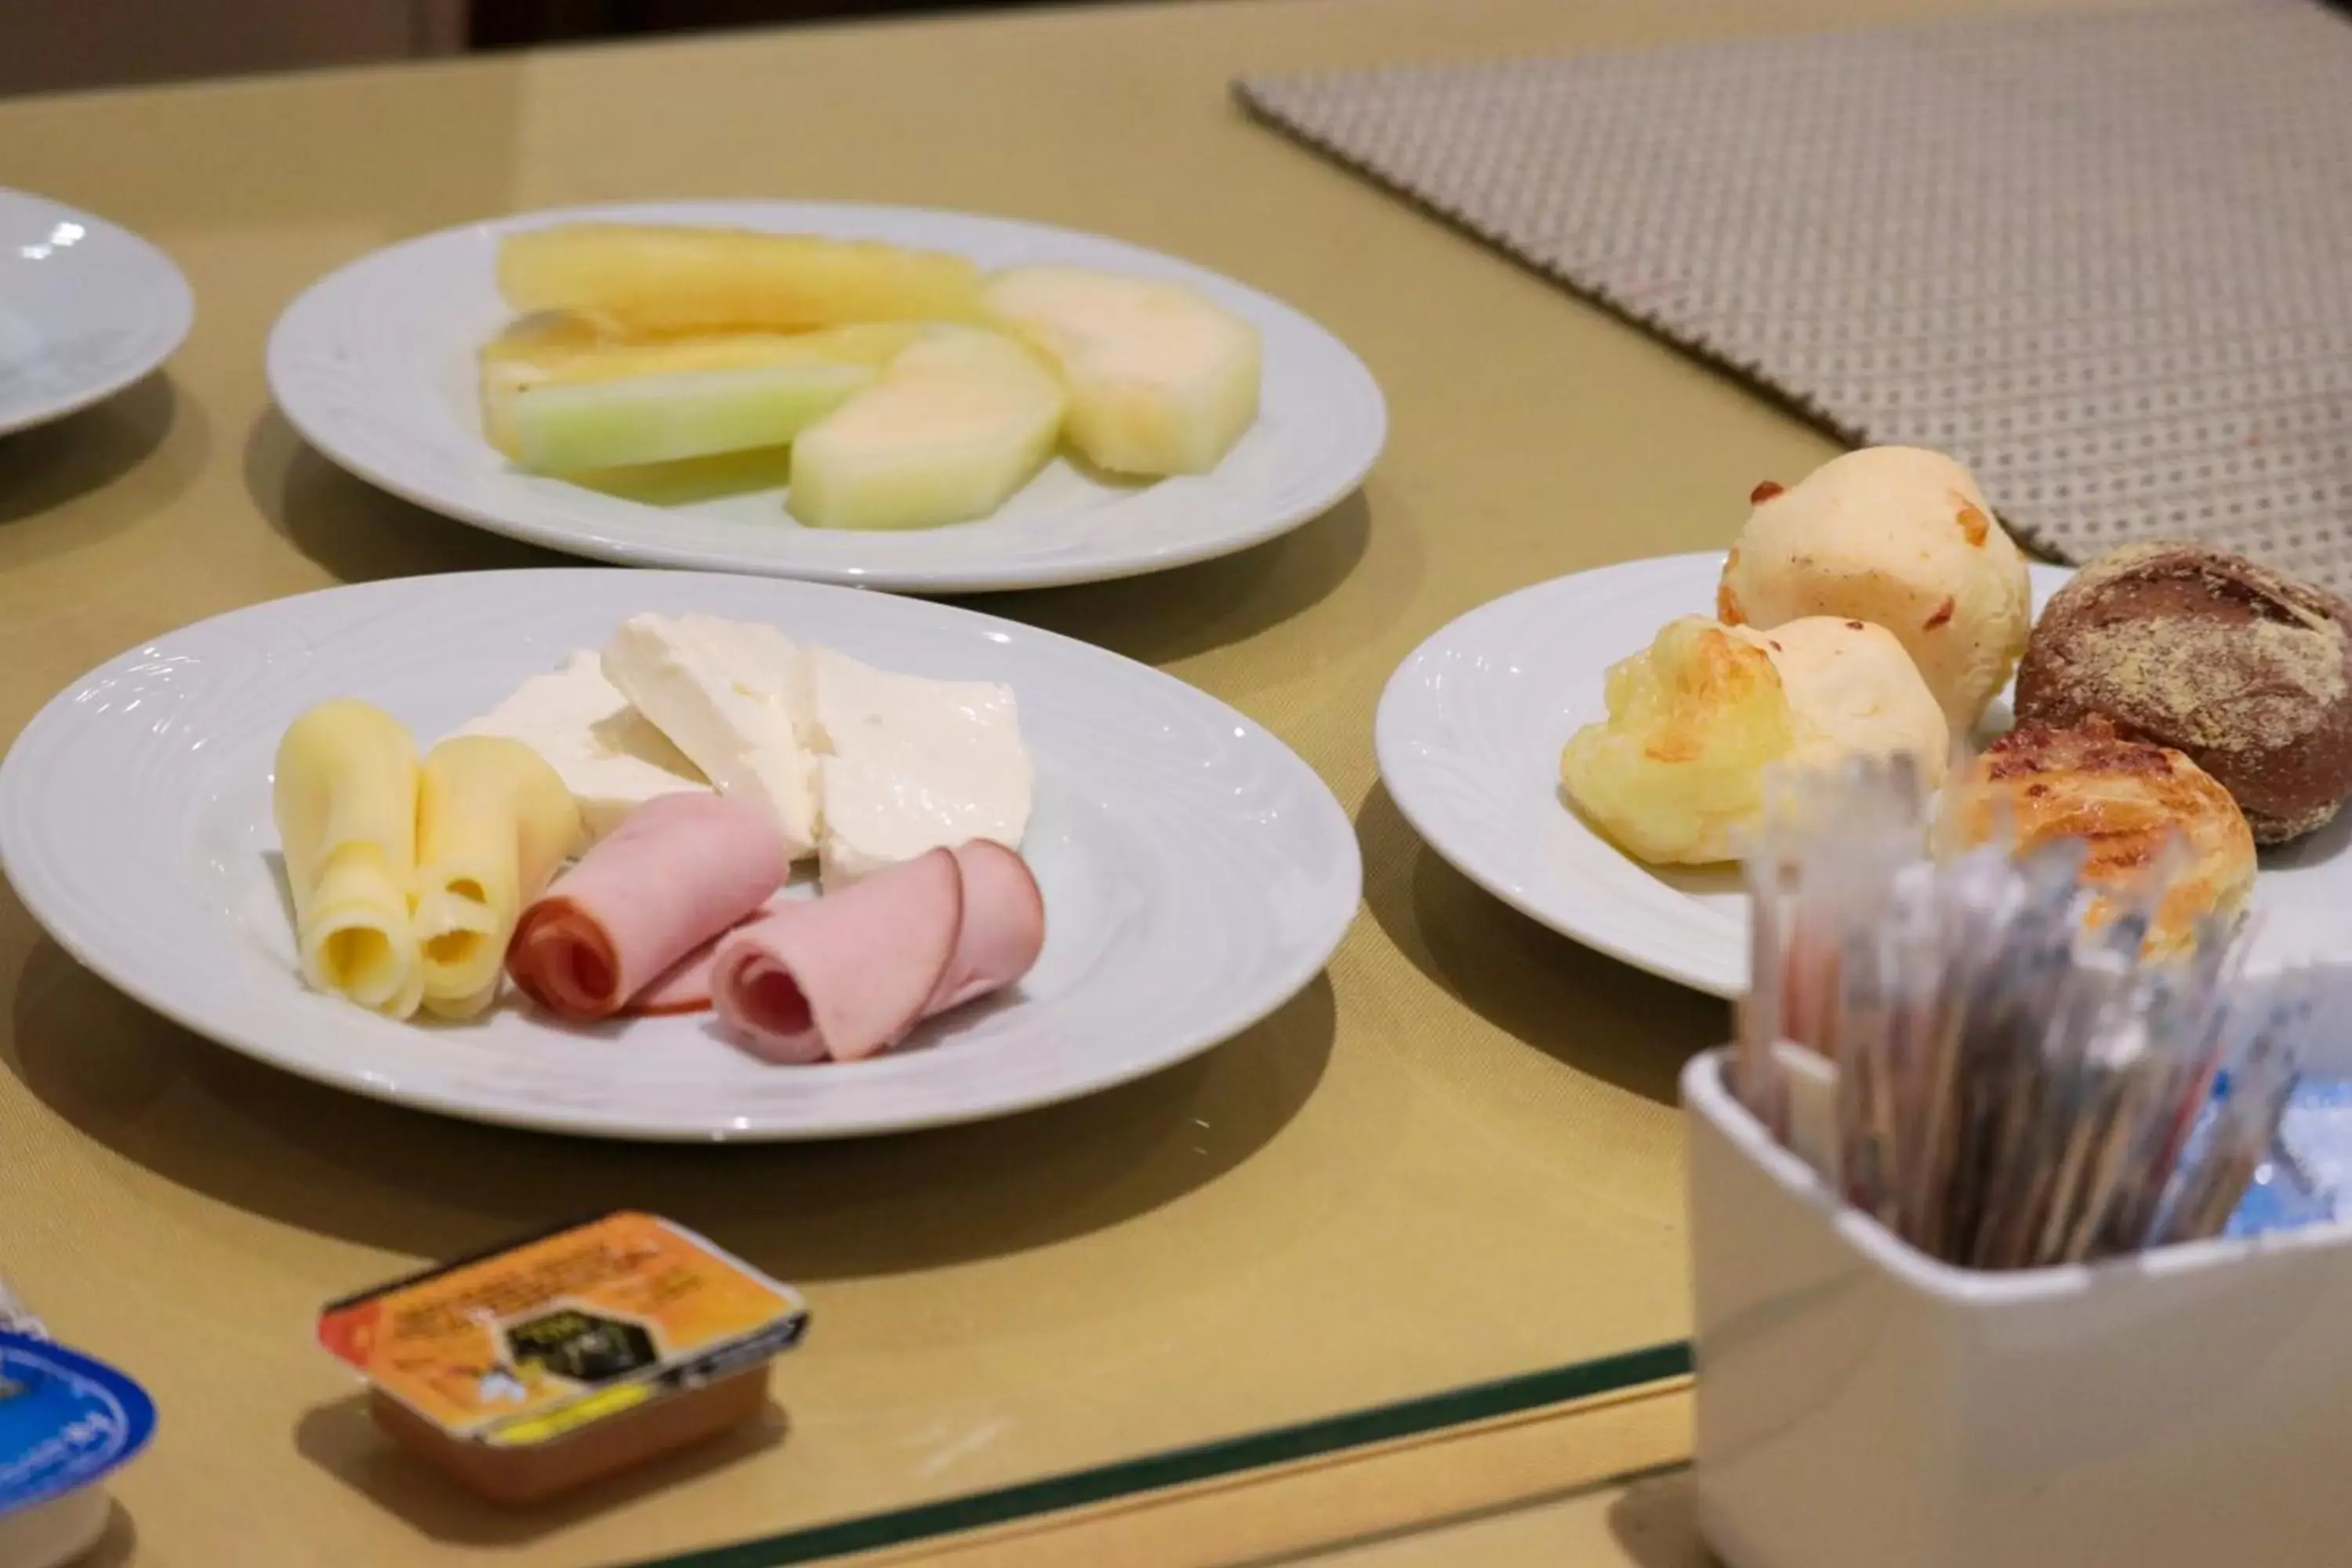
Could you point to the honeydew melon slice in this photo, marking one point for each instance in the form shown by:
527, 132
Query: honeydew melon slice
1162, 380
958, 423
665, 419
636, 279
545, 352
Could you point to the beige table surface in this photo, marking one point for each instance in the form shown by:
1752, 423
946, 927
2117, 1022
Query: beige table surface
1647, 1524
1592, 1481
1454, 1159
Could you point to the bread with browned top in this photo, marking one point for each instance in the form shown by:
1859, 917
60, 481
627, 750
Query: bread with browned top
2125, 799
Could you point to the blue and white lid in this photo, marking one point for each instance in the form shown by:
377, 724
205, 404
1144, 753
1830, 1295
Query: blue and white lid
64, 1421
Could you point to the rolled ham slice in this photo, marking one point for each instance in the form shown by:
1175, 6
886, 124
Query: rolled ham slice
846, 975
685, 987
680, 870
849, 976
1003, 926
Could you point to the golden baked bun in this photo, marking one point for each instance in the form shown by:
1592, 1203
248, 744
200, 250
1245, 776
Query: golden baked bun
1675, 773
1899, 537
2125, 798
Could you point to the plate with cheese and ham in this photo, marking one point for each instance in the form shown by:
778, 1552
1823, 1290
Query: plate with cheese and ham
674, 856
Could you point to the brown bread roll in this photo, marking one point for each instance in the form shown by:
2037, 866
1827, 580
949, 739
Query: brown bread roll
2246, 670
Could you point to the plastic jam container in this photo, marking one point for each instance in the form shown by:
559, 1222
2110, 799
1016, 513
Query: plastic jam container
561, 1359
65, 1423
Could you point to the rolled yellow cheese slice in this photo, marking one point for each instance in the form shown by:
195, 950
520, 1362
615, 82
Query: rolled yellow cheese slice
345, 801
493, 822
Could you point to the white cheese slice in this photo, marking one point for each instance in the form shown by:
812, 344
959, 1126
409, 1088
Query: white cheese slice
605, 752
907, 764
723, 692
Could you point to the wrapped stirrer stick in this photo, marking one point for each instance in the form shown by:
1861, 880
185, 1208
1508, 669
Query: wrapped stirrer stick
1860, 1014
2213, 1179
1763, 1023
1972, 911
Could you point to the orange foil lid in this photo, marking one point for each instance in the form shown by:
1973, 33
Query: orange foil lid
537, 1340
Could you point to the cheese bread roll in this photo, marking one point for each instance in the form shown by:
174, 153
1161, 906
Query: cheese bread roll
1897, 537
345, 801
493, 822
1676, 771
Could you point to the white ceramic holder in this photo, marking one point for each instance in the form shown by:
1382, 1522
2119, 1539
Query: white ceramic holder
1863, 1405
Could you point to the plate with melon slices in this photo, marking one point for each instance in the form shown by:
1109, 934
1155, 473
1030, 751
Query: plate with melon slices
887, 397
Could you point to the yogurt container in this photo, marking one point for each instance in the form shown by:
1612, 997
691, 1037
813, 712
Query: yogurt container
65, 1423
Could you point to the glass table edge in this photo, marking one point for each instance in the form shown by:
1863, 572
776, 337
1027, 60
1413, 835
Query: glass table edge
1202, 1461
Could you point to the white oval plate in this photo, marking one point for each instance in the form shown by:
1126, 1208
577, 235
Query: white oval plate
376, 366
86, 308
1470, 732
1197, 874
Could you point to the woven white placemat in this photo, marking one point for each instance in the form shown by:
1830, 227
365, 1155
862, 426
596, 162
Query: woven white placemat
2104, 260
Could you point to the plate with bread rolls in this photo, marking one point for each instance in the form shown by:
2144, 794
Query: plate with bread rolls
1594, 749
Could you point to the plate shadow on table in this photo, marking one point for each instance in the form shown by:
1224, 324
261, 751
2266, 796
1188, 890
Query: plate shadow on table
1652, 1522
1590, 1012
1655, 1521
1169, 615
52, 464
304, 1154
356, 531
360, 534
342, 1438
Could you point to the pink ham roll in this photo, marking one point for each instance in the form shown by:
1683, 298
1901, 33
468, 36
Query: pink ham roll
1003, 926
680, 870
850, 974
685, 987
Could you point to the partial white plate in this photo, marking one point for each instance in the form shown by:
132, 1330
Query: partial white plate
1470, 732
1197, 874
86, 308
376, 366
